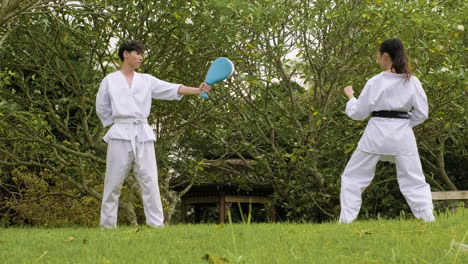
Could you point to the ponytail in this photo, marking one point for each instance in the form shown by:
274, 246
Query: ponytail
394, 48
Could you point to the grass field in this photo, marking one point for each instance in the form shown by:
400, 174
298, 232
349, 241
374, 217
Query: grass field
384, 241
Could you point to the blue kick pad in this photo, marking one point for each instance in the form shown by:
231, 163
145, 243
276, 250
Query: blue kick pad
220, 70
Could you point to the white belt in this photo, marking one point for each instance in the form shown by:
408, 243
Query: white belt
131, 121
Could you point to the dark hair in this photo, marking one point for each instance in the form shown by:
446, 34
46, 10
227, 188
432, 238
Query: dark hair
129, 46
394, 48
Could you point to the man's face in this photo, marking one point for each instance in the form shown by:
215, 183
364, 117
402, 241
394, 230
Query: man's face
133, 59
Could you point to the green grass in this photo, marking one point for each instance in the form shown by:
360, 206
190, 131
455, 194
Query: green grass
384, 241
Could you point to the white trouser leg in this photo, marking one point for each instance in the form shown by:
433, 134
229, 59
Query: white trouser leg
146, 172
413, 186
357, 175
119, 158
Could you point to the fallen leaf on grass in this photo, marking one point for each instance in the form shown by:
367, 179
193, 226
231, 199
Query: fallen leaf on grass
214, 259
39, 258
219, 226
70, 239
361, 233
105, 260
463, 248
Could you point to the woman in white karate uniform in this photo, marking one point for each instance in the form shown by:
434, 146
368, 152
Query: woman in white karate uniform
124, 101
396, 102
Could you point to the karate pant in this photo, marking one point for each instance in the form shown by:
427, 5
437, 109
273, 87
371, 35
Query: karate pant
120, 156
359, 173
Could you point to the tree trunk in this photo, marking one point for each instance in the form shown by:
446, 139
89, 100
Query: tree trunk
441, 166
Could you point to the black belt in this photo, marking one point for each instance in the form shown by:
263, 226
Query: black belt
391, 114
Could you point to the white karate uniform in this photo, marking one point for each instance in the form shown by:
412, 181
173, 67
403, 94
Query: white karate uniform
389, 139
131, 140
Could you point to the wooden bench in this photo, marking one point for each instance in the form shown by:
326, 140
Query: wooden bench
450, 195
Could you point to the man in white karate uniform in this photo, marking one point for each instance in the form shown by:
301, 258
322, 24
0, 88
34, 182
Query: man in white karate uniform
396, 102
124, 101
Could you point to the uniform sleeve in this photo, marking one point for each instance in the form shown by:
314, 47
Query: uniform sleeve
420, 108
164, 90
103, 104
359, 109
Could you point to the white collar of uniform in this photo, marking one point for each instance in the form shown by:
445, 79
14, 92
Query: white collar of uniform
393, 75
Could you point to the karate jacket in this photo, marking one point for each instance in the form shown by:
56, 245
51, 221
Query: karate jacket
115, 100
392, 92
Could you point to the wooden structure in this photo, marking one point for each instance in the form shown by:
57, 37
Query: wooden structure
221, 194
226, 189
450, 195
